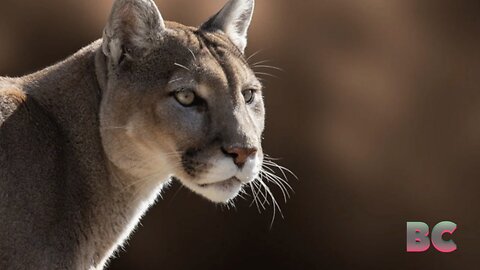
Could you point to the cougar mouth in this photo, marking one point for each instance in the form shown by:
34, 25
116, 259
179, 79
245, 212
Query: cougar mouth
225, 184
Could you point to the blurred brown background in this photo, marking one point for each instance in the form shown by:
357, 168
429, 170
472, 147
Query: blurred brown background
377, 112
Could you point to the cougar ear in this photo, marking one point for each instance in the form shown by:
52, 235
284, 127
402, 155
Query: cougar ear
132, 29
234, 20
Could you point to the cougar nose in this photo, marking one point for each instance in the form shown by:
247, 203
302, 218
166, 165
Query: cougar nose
239, 154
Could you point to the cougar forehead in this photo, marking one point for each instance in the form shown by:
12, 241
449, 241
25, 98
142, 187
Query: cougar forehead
207, 63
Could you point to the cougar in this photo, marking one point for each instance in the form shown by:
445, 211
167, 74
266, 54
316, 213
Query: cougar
87, 145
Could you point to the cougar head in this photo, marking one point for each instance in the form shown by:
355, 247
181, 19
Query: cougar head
181, 101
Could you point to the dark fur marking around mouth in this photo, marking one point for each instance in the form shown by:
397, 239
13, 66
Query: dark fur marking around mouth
191, 166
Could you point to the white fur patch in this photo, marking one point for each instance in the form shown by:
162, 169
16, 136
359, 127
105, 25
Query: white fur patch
212, 184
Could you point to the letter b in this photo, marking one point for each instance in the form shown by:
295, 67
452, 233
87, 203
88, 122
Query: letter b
417, 237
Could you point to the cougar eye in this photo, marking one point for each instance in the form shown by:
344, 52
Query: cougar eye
249, 95
185, 97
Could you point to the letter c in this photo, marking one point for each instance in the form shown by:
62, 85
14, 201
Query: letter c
437, 236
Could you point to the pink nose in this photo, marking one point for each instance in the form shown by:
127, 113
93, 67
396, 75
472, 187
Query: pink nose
239, 154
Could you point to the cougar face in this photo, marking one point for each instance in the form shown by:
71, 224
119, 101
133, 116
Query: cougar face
182, 102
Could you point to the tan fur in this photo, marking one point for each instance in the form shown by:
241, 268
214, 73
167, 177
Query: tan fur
10, 99
14, 95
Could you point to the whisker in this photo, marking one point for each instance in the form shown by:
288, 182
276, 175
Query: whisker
282, 188
267, 157
259, 203
272, 173
281, 168
267, 66
281, 183
275, 204
284, 183
253, 55
266, 74
175, 80
243, 192
194, 57
232, 204
241, 196
264, 194
182, 66
261, 192
260, 62
254, 197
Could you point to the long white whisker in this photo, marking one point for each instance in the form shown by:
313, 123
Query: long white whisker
267, 157
194, 57
270, 162
277, 181
264, 195
271, 170
260, 62
276, 177
241, 196
182, 66
268, 66
282, 188
175, 80
266, 74
253, 55
275, 204
255, 200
